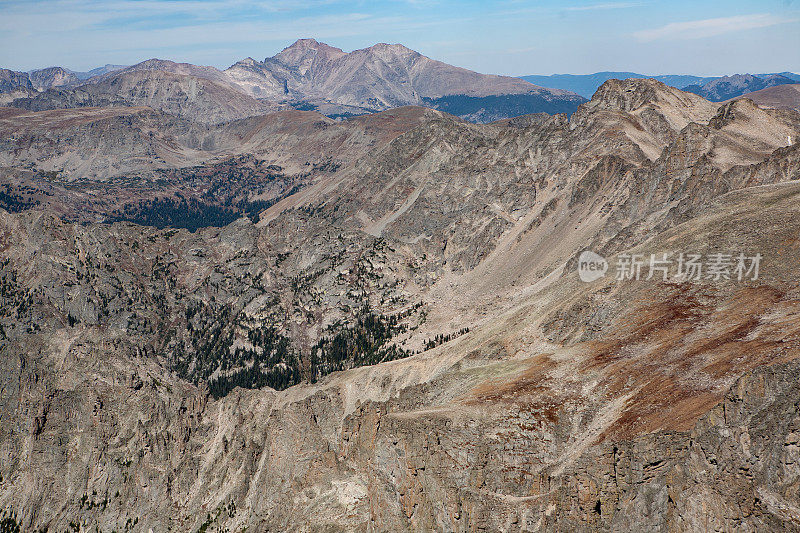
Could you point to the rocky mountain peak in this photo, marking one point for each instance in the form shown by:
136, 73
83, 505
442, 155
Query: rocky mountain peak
741, 108
165, 65
390, 52
247, 62
154, 64
629, 95
737, 78
11, 79
304, 43
304, 51
396, 47
46, 78
54, 70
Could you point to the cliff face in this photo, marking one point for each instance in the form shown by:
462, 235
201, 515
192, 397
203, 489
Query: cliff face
137, 361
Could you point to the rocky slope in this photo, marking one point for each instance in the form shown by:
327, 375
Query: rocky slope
14, 85
201, 99
102, 142
778, 97
118, 142
10, 80
510, 395
48, 78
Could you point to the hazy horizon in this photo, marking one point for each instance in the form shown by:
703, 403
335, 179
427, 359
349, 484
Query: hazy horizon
233, 61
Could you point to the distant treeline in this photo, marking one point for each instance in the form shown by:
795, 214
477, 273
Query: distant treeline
190, 213
498, 106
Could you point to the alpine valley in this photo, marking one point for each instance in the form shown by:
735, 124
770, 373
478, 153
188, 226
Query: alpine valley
335, 291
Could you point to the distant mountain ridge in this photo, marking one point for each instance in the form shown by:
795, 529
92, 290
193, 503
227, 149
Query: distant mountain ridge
310, 75
50, 77
385, 76
307, 75
586, 84
728, 87
309, 69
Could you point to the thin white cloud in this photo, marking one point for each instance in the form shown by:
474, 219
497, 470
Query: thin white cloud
698, 29
608, 5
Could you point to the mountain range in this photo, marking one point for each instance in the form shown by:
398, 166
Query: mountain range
286, 322
715, 88
307, 75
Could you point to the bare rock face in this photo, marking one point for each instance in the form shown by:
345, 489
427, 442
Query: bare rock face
308, 55
10, 80
14, 85
48, 78
101, 142
646, 425
390, 334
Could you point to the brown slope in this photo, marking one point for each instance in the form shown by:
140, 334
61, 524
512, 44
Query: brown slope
294, 138
778, 97
99, 143
197, 98
509, 205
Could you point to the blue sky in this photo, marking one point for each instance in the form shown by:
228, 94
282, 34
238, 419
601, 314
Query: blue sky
512, 37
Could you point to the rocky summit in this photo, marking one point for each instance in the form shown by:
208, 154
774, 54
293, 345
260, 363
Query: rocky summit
361, 291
